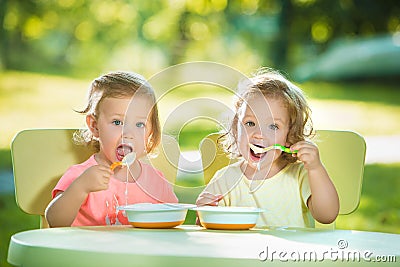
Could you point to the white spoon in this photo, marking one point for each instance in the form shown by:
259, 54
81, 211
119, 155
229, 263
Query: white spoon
126, 161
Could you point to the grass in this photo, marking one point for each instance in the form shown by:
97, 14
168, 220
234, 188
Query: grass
36, 101
13, 220
370, 109
361, 91
5, 159
379, 208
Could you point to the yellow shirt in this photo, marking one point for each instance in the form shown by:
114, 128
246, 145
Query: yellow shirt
283, 196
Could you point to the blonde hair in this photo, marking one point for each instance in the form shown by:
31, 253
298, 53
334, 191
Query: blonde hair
118, 85
272, 84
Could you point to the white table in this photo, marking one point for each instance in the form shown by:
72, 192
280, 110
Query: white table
191, 246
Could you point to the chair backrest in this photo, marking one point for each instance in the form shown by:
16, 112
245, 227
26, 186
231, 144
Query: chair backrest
342, 153
41, 156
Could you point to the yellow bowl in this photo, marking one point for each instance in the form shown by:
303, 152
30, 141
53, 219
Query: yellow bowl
162, 215
228, 218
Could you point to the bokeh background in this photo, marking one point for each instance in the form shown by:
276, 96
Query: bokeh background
344, 54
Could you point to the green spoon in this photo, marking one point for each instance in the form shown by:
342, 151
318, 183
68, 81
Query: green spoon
282, 148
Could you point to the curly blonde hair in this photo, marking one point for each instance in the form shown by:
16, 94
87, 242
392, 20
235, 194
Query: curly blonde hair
272, 84
118, 84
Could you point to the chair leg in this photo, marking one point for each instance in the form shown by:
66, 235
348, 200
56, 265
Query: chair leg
43, 222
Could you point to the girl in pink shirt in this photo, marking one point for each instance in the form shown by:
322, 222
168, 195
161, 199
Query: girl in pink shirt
122, 117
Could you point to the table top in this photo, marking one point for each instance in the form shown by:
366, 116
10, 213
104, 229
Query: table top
193, 245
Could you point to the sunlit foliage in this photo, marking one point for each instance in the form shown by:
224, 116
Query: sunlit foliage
85, 37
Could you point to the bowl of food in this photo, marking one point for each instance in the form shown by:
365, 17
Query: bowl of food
228, 218
160, 215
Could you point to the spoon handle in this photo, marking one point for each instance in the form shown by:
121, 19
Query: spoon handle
115, 165
285, 149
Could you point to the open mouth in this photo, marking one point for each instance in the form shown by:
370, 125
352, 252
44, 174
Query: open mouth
122, 150
255, 154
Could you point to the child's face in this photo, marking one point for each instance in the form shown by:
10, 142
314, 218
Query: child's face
123, 127
262, 122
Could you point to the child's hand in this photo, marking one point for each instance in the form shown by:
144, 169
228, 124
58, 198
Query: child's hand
307, 153
95, 178
209, 199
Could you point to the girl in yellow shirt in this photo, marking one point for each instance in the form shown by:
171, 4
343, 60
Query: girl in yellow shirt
270, 110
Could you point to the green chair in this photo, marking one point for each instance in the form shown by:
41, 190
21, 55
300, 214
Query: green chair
41, 156
342, 153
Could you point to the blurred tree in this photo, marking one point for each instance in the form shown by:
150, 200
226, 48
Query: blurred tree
315, 24
3, 37
307, 27
85, 37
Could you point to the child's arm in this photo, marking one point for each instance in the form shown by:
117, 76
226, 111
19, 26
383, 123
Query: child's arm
324, 201
63, 209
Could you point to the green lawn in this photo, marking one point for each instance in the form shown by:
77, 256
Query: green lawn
37, 101
379, 208
33, 101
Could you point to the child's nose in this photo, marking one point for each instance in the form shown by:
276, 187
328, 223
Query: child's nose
258, 133
127, 132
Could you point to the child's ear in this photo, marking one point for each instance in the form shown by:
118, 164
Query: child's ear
91, 122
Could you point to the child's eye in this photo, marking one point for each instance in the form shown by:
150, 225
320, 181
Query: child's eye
117, 122
140, 124
250, 124
274, 127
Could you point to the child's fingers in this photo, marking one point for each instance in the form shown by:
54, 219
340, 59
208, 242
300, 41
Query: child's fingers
217, 199
304, 148
106, 169
208, 195
207, 198
103, 178
301, 145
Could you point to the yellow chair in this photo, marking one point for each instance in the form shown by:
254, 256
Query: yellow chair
41, 156
342, 152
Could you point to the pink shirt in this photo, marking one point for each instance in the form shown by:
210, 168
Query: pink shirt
100, 207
